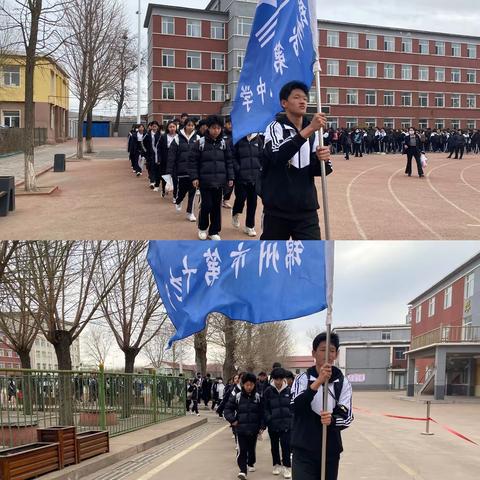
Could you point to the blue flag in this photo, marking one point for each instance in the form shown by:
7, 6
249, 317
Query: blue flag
283, 47
253, 281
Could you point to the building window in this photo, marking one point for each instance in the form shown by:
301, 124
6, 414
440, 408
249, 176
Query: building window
423, 124
194, 28
352, 40
240, 59
351, 122
370, 97
388, 99
447, 297
471, 76
389, 71
423, 74
469, 286
423, 99
218, 93
386, 336
439, 48
389, 44
431, 307
371, 42
332, 96
11, 76
399, 353
471, 101
333, 39
424, 47
352, 97
194, 60
456, 101
244, 26
418, 314
471, 51
194, 92
371, 70
439, 124
218, 61
456, 75
455, 124
332, 123
168, 58
440, 75
406, 99
406, 72
456, 50
406, 123
217, 30
332, 67
471, 124
371, 122
168, 26
168, 91
312, 96
439, 100
352, 69
11, 118
406, 45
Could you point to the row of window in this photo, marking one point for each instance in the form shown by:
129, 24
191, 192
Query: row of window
8, 353
372, 97
9, 365
243, 27
194, 92
373, 70
407, 46
403, 123
194, 60
447, 298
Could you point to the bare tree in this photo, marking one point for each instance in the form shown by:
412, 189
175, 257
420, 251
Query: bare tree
7, 249
156, 349
97, 343
37, 22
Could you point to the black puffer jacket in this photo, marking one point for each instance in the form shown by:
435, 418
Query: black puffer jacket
278, 415
247, 409
179, 154
247, 159
211, 163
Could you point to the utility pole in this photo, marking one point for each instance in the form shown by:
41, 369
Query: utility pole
139, 53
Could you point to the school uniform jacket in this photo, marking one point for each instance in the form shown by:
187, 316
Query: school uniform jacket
290, 165
150, 142
247, 159
278, 416
247, 409
179, 153
307, 404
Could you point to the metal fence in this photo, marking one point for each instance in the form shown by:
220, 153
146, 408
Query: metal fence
11, 139
447, 334
117, 402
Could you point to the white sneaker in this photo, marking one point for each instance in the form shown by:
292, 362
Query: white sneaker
178, 208
174, 201
287, 472
236, 220
242, 476
198, 414
250, 232
156, 189
277, 469
215, 238
152, 186
251, 469
191, 217
202, 235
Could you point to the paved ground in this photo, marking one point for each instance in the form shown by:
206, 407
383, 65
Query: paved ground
370, 198
376, 447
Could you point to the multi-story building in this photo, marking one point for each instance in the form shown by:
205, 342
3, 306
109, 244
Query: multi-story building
444, 356
8, 357
43, 357
51, 96
370, 75
373, 357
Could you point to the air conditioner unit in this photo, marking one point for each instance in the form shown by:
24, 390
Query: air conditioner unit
227, 97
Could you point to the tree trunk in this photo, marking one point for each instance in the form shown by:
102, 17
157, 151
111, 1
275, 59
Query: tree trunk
127, 397
120, 103
88, 135
249, 358
27, 387
229, 363
200, 345
63, 341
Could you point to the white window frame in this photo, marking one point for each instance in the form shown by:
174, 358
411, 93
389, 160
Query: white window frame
431, 307
168, 85
332, 66
352, 66
167, 54
454, 97
194, 57
439, 101
407, 45
404, 97
332, 96
215, 27
194, 87
352, 94
469, 285
389, 67
352, 40
390, 94
440, 48
371, 42
192, 26
11, 76
333, 38
166, 23
440, 74
424, 47
471, 101
418, 314
456, 49
351, 122
406, 72
389, 44
456, 75
423, 74
421, 96
386, 336
369, 95
471, 76
10, 117
217, 87
372, 66
447, 297
471, 50
218, 57
240, 60
242, 23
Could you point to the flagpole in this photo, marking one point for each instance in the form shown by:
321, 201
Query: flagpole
329, 260
326, 214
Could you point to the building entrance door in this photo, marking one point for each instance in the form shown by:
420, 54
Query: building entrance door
398, 381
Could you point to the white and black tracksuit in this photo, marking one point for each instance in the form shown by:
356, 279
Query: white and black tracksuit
306, 440
290, 165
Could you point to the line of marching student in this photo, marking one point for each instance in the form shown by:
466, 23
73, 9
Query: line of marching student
290, 408
199, 161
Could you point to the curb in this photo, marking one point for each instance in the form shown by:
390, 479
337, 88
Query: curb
95, 464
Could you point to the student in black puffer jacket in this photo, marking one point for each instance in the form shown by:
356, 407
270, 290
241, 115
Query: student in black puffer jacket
244, 411
211, 168
278, 418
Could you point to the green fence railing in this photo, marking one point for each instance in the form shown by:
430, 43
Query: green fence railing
117, 402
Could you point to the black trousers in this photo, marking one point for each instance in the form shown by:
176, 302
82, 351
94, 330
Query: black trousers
413, 152
459, 150
246, 192
185, 186
277, 228
195, 406
282, 439
211, 210
308, 466
227, 193
357, 149
246, 455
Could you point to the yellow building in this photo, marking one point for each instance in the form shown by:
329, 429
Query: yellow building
51, 96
